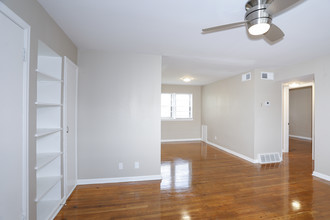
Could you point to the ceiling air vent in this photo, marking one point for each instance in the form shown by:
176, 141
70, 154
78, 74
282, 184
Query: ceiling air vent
269, 158
246, 76
267, 76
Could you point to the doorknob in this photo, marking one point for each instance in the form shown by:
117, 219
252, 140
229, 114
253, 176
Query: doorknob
67, 129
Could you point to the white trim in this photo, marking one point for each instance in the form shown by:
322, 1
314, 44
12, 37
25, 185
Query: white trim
322, 176
181, 140
61, 204
285, 119
118, 179
300, 137
285, 115
58, 209
26, 69
233, 153
69, 194
66, 61
177, 119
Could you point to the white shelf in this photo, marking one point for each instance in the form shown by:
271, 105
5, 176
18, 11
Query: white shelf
46, 77
47, 208
49, 162
46, 131
45, 158
45, 104
45, 184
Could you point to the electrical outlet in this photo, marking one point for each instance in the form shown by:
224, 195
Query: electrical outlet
136, 165
120, 166
215, 137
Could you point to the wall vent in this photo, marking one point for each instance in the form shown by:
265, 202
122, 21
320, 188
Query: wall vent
267, 76
246, 76
269, 158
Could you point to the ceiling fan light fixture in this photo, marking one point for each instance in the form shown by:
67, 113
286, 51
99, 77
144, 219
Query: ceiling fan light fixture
259, 28
258, 20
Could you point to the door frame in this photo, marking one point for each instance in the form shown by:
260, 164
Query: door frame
65, 143
26, 69
286, 111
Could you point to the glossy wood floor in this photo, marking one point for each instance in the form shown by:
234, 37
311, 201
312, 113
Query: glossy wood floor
201, 182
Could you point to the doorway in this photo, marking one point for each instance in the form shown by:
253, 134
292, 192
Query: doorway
14, 94
297, 125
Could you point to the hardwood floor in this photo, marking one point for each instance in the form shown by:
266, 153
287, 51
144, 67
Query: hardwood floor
202, 182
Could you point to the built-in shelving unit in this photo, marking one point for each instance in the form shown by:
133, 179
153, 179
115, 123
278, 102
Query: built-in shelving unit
45, 158
45, 104
49, 163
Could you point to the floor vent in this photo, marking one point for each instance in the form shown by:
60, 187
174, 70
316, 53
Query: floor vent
269, 158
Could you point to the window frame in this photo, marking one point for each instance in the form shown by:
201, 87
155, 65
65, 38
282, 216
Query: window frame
173, 108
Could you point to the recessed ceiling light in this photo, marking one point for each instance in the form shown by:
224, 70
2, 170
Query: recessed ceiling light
186, 78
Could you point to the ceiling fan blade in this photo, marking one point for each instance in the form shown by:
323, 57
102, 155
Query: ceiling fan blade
222, 27
274, 33
277, 6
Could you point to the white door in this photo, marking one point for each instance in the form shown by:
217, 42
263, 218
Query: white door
70, 122
12, 125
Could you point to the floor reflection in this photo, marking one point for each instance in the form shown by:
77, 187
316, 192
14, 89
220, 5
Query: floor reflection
176, 175
202, 182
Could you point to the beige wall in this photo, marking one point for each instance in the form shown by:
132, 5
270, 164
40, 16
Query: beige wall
118, 114
321, 70
237, 117
228, 112
267, 128
183, 129
301, 112
45, 29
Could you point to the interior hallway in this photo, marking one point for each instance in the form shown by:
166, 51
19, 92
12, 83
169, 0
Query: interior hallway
202, 182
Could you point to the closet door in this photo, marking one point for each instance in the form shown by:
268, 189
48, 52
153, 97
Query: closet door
70, 122
12, 116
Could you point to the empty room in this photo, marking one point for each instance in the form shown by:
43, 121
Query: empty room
125, 109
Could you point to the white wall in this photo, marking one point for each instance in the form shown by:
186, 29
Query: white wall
301, 112
118, 114
183, 129
45, 29
321, 70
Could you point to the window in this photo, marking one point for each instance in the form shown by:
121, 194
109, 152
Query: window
176, 106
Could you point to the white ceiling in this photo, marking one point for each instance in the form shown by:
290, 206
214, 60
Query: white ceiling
172, 28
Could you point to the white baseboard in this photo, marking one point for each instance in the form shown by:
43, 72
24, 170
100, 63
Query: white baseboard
69, 194
181, 140
58, 209
301, 137
119, 179
322, 176
233, 153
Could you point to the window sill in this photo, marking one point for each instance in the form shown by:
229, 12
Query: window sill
188, 119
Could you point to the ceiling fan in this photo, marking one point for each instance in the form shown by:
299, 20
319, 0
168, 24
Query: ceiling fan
258, 19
